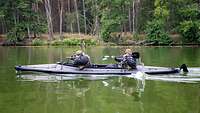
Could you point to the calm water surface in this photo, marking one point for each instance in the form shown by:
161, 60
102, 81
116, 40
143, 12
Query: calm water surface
43, 93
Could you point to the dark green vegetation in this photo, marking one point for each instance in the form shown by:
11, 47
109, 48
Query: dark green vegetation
43, 94
190, 23
155, 28
111, 20
19, 19
65, 42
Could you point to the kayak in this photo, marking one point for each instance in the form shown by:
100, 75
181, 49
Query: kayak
95, 69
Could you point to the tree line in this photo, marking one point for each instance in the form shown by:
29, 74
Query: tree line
21, 19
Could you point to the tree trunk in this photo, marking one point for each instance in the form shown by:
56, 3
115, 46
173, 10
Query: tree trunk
3, 26
85, 24
49, 19
37, 7
77, 16
71, 27
15, 22
134, 16
60, 8
69, 11
96, 29
129, 19
29, 34
68, 6
61, 33
137, 7
38, 20
124, 23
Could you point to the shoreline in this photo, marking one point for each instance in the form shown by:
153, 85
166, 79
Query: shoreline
106, 44
90, 40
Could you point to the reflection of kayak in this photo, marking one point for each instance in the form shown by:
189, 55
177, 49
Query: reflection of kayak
94, 69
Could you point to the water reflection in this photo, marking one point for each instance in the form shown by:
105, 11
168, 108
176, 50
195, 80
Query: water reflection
126, 85
57, 77
77, 86
80, 88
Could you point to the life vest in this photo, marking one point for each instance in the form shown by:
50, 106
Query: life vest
127, 60
131, 62
81, 60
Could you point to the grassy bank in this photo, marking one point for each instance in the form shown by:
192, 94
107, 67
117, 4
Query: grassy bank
65, 40
89, 40
141, 39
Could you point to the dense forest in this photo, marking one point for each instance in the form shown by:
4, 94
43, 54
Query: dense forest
106, 19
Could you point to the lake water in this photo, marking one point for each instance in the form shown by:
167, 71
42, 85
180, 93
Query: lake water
43, 93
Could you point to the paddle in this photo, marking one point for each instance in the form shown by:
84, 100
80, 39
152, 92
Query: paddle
62, 62
140, 77
184, 67
106, 57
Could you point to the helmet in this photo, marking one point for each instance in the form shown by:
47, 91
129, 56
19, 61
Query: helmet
79, 52
128, 51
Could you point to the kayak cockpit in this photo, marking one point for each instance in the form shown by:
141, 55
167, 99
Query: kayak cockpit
97, 66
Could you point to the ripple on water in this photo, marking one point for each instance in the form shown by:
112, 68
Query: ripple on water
193, 76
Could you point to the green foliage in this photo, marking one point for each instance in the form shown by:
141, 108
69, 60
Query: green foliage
136, 36
57, 42
18, 32
1, 14
190, 30
38, 42
102, 16
71, 42
146, 14
161, 10
114, 37
112, 16
20, 19
190, 12
156, 34
70, 18
74, 42
15, 34
155, 29
189, 27
90, 41
108, 26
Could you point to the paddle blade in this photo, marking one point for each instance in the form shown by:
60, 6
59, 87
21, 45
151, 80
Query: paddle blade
184, 67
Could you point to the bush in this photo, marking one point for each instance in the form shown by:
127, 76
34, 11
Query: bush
190, 12
17, 33
76, 41
190, 30
57, 42
71, 42
116, 37
156, 34
105, 31
38, 42
66, 42
109, 26
90, 41
189, 27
